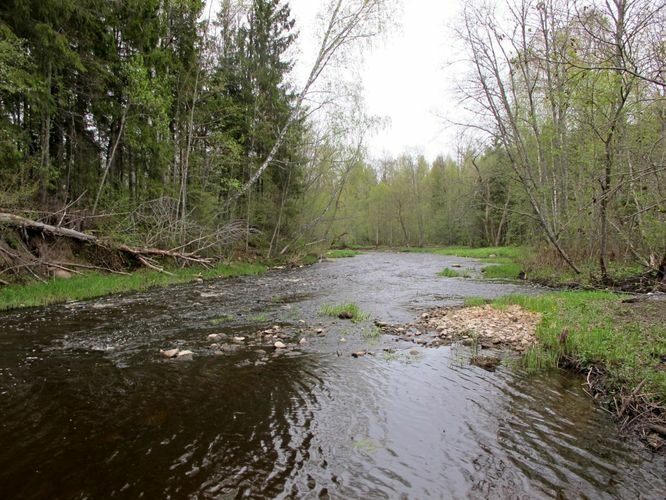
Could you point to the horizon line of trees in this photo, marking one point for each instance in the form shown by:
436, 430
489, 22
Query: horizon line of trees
158, 122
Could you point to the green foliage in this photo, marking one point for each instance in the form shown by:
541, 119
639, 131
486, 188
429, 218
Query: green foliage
452, 273
508, 271
627, 341
96, 285
346, 311
342, 253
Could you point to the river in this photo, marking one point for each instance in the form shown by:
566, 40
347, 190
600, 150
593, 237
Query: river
89, 408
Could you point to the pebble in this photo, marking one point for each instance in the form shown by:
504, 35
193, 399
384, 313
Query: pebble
214, 336
279, 345
171, 353
239, 339
302, 341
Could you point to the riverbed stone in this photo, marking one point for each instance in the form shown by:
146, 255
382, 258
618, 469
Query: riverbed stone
214, 337
170, 353
185, 355
279, 345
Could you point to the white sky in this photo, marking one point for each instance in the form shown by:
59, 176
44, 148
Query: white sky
405, 76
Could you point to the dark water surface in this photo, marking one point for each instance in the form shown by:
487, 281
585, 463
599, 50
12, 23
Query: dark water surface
89, 408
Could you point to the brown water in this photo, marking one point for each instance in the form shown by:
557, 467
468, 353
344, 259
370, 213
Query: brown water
89, 408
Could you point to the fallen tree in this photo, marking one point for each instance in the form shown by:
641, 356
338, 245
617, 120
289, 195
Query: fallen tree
25, 260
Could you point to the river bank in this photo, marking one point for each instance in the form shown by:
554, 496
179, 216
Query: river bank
92, 285
615, 342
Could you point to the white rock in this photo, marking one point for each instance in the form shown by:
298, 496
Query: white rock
214, 336
239, 339
302, 341
279, 345
185, 354
170, 353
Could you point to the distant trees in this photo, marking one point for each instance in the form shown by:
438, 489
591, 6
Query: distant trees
147, 109
570, 91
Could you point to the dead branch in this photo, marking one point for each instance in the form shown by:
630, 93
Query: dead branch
139, 253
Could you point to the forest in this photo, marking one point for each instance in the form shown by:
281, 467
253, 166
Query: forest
174, 125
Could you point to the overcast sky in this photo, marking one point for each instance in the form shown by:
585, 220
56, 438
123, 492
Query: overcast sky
405, 77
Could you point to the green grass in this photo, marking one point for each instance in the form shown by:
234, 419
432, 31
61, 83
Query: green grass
452, 273
475, 301
96, 284
342, 253
503, 262
487, 253
225, 318
627, 341
351, 310
507, 270
259, 318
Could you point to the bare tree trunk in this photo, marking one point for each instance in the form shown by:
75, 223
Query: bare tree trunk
112, 155
346, 23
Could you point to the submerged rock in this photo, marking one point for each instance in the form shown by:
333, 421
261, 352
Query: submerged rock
486, 362
170, 353
185, 354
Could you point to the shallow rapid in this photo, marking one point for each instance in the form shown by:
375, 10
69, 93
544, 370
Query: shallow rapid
89, 408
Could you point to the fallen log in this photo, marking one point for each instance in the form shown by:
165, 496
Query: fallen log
138, 252
18, 221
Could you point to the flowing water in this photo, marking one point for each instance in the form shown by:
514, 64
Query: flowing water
90, 409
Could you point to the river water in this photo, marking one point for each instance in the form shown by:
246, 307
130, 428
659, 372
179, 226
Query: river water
90, 409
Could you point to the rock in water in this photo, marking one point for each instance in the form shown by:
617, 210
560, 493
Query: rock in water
214, 337
279, 345
171, 353
239, 339
185, 355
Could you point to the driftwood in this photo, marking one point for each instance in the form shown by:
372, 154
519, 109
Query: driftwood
143, 255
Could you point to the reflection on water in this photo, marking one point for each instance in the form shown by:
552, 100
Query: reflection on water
89, 409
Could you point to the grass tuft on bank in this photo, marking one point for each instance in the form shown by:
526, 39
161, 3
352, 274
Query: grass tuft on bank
503, 262
342, 253
344, 311
626, 342
97, 284
452, 273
